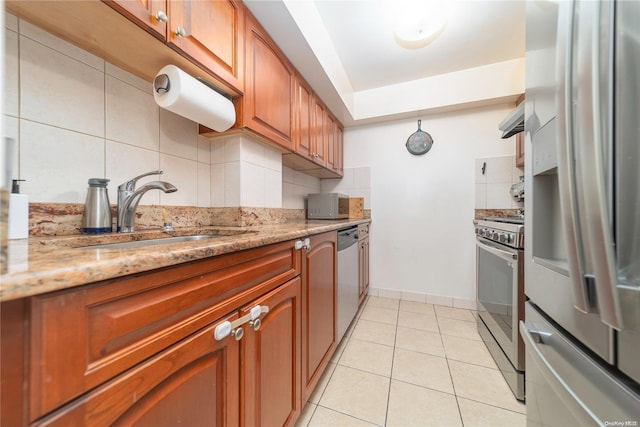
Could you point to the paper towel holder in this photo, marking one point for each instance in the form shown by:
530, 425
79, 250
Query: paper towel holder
161, 83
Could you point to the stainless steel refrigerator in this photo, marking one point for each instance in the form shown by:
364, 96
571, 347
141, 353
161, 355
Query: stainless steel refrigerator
582, 255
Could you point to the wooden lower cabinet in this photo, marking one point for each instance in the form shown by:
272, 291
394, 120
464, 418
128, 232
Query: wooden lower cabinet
319, 308
271, 360
193, 383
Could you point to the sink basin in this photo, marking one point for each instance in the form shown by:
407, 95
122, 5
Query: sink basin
153, 242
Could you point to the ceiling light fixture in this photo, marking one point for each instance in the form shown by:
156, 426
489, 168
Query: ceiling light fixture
420, 23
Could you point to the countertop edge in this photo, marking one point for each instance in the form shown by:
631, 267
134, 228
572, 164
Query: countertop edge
51, 267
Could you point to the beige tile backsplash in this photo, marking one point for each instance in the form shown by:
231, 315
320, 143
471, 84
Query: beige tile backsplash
492, 187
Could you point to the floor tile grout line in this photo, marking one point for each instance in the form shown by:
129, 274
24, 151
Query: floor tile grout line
393, 356
348, 415
490, 404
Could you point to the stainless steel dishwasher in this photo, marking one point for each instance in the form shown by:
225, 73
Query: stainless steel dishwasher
347, 278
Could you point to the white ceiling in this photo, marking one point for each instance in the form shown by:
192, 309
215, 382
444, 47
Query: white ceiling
358, 51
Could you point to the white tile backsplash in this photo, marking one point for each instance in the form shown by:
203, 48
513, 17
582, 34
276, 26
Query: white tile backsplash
124, 161
272, 189
183, 173
47, 39
500, 169
58, 90
204, 150
11, 22
132, 115
204, 185
11, 73
128, 78
218, 185
178, 136
355, 183
498, 196
232, 181
252, 185
57, 163
492, 188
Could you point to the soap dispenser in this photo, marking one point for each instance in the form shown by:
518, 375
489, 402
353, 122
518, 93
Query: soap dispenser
97, 209
18, 212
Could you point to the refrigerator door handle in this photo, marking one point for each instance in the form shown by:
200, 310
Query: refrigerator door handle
595, 130
565, 149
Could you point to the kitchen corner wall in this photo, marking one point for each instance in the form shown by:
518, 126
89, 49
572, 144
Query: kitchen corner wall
422, 234
76, 117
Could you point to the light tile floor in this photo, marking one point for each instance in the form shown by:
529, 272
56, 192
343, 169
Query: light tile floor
404, 363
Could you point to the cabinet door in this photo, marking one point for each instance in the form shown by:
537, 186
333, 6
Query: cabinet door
211, 33
318, 142
271, 360
269, 87
196, 382
330, 139
520, 141
319, 308
339, 164
303, 108
145, 13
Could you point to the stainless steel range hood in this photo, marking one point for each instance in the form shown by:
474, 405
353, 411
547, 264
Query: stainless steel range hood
514, 123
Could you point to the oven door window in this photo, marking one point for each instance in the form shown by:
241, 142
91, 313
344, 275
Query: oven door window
496, 282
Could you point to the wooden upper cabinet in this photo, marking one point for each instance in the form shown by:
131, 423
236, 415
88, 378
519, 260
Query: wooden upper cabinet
339, 153
148, 14
208, 32
268, 103
330, 139
318, 143
520, 140
211, 33
303, 125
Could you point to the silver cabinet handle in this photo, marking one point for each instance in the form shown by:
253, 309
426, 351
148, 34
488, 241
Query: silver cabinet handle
298, 245
307, 244
255, 324
181, 32
237, 333
161, 16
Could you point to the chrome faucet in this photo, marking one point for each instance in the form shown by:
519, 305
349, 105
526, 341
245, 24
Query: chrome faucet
129, 197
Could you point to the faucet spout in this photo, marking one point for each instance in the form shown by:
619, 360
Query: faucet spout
129, 199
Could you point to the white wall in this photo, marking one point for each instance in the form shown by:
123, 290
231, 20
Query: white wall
422, 239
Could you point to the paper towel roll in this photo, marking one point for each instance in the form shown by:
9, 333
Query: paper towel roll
189, 98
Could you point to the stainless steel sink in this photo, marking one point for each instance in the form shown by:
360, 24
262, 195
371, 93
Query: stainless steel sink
153, 242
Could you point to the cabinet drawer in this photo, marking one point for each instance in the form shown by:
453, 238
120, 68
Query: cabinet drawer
86, 336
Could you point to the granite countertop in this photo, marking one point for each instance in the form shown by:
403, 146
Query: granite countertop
43, 264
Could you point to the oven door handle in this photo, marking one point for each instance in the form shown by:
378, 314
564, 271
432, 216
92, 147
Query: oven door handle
498, 252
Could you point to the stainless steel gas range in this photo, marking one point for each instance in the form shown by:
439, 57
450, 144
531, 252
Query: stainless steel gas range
500, 292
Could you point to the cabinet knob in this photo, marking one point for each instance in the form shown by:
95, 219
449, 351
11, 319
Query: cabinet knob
307, 244
181, 32
255, 324
298, 245
238, 333
161, 16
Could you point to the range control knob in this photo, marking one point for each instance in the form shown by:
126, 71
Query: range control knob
503, 237
510, 238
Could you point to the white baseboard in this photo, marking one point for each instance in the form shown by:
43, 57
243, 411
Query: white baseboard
426, 298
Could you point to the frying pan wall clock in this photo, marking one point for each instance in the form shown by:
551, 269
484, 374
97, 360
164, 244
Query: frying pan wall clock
419, 142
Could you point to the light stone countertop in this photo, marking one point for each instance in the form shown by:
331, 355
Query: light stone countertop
44, 264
